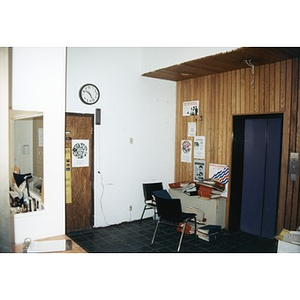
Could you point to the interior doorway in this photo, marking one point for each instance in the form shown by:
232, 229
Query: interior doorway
256, 159
79, 170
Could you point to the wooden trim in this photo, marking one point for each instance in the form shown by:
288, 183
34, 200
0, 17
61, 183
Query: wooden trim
293, 142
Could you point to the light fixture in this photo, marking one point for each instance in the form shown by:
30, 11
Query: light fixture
186, 74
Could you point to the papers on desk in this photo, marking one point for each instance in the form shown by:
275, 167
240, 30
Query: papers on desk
190, 189
288, 241
289, 236
48, 246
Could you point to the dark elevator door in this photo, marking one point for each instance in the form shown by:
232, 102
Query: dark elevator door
261, 170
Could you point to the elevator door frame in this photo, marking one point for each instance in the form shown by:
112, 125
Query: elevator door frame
237, 167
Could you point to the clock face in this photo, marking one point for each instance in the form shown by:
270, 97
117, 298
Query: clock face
89, 94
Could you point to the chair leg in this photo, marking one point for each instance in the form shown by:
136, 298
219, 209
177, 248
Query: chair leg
195, 227
154, 234
181, 237
143, 212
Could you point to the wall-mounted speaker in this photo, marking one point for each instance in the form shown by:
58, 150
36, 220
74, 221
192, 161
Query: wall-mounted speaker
98, 116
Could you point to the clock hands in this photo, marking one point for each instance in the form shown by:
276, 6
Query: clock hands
89, 94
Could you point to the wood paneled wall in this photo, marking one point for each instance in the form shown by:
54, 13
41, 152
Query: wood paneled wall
38, 150
275, 89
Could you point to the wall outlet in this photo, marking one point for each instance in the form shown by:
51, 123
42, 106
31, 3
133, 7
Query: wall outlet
130, 207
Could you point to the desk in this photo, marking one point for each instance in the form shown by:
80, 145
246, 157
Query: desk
75, 247
214, 209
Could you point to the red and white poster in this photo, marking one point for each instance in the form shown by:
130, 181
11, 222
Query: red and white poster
186, 151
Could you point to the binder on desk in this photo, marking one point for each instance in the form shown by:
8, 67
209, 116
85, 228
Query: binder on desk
208, 192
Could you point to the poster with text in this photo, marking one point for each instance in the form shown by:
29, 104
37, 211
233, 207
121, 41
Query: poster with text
199, 147
80, 153
199, 170
191, 108
191, 129
186, 151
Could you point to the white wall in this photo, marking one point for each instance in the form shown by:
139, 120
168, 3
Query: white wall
155, 58
132, 107
38, 84
5, 232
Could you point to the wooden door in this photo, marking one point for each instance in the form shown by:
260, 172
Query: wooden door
79, 171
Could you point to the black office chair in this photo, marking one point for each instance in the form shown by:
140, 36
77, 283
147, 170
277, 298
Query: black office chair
170, 213
148, 188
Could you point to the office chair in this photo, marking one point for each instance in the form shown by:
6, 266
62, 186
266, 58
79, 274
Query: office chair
148, 188
170, 213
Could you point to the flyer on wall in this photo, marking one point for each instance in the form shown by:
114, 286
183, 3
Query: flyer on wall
80, 151
186, 151
199, 170
191, 108
199, 147
191, 129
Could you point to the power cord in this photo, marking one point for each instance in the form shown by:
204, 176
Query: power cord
251, 65
101, 196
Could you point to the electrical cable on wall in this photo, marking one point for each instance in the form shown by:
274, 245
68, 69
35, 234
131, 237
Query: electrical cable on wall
249, 63
130, 216
101, 196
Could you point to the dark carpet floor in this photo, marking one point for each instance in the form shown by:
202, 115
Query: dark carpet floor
135, 237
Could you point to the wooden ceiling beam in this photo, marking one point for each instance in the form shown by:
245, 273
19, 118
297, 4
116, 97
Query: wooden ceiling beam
225, 62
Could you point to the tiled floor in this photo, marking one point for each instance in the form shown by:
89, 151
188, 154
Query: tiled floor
135, 237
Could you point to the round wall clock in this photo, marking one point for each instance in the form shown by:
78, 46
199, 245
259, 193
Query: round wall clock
89, 94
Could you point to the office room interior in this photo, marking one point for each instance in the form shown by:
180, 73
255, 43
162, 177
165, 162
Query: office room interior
141, 126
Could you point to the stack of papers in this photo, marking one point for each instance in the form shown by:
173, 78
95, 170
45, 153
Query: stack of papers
289, 236
49, 246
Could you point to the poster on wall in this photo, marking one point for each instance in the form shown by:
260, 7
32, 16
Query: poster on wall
186, 151
191, 108
191, 129
199, 170
220, 173
199, 147
80, 153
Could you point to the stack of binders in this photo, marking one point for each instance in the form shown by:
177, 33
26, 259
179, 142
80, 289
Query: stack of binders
209, 188
209, 232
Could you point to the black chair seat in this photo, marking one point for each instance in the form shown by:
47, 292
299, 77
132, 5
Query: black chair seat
169, 211
188, 216
185, 217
